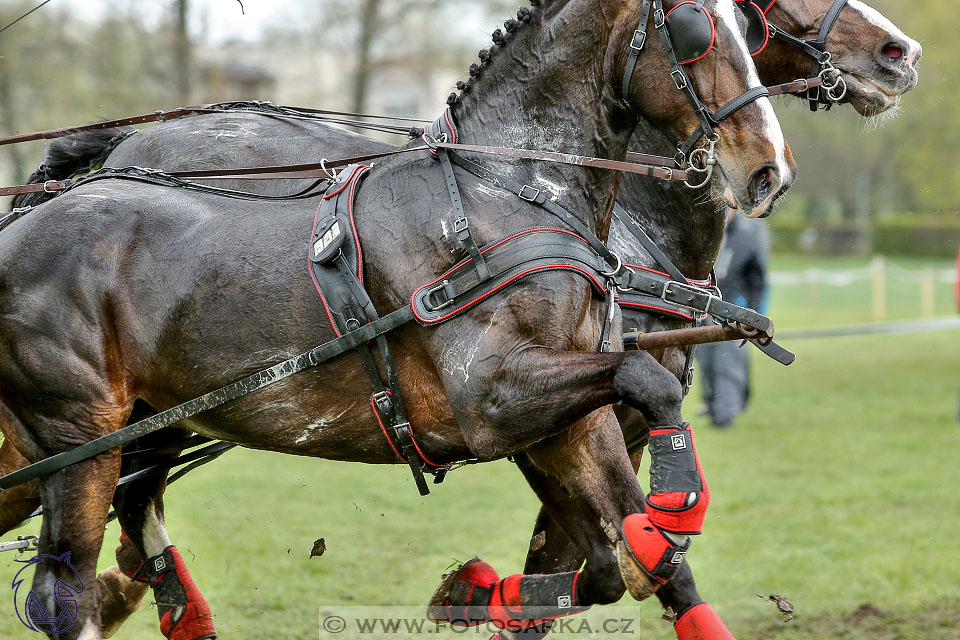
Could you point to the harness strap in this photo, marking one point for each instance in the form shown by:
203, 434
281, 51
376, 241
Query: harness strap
692, 297
649, 245
349, 306
636, 46
537, 197
461, 225
211, 400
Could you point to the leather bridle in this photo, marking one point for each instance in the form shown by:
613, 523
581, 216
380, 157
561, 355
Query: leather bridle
693, 159
834, 87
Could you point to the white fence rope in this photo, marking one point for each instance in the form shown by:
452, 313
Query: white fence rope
862, 274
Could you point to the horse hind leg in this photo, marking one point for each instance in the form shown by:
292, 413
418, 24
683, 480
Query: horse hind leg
184, 613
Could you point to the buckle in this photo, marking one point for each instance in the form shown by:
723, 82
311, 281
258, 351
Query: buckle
382, 399
659, 18
673, 287
527, 189
444, 287
640, 35
460, 224
680, 78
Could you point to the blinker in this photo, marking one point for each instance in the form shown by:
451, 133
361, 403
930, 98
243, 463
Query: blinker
758, 31
692, 31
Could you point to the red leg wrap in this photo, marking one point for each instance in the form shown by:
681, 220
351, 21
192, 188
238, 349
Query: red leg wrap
464, 594
656, 554
184, 614
474, 595
702, 623
520, 602
679, 493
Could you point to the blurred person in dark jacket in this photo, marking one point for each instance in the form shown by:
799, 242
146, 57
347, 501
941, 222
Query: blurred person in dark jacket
741, 270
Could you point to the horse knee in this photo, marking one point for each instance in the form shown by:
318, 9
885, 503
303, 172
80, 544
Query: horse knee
651, 388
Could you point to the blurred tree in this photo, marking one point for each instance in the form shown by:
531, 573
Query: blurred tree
182, 58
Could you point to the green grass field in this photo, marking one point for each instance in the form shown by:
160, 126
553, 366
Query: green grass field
838, 491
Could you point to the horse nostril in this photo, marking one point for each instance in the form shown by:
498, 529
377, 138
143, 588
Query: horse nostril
893, 51
762, 184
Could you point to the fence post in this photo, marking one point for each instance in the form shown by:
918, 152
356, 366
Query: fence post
878, 267
927, 302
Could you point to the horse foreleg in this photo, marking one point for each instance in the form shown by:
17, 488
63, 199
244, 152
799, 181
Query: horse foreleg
184, 613
591, 465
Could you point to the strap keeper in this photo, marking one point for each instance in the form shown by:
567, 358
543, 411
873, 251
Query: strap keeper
639, 39
526, 191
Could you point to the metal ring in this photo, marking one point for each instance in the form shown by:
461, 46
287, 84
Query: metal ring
610, 274
323, 167
843, 90
706, 179
706, 160
426, 139
46, 190
827, 78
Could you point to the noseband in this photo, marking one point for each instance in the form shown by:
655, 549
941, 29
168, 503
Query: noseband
834, 86
690, 157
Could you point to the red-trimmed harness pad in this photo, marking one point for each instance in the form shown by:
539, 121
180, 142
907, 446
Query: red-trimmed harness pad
702, 623
519, 255
656, 554
335, 231
679, 494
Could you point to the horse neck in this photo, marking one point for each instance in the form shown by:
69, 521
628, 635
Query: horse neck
544, 89
684, 223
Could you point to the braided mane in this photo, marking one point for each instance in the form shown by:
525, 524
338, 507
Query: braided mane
500, 40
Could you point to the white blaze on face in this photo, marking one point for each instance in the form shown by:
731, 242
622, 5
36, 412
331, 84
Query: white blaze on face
725, 17
881, 21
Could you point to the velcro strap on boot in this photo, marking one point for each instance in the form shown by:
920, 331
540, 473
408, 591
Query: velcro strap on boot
523, 601
658, 555
679, 494
184, 613
701, 622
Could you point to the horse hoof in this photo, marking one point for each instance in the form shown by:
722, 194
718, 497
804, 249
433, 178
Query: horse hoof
639, 584
119, 598
475, 572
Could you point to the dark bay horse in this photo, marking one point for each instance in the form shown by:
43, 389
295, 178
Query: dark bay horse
122, 291
860, 44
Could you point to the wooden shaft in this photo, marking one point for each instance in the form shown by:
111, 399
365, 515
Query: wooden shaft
683, 337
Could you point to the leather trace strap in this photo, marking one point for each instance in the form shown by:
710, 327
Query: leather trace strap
211, 400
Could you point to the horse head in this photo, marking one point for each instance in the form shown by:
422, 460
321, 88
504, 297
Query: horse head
875, 59
718, 79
